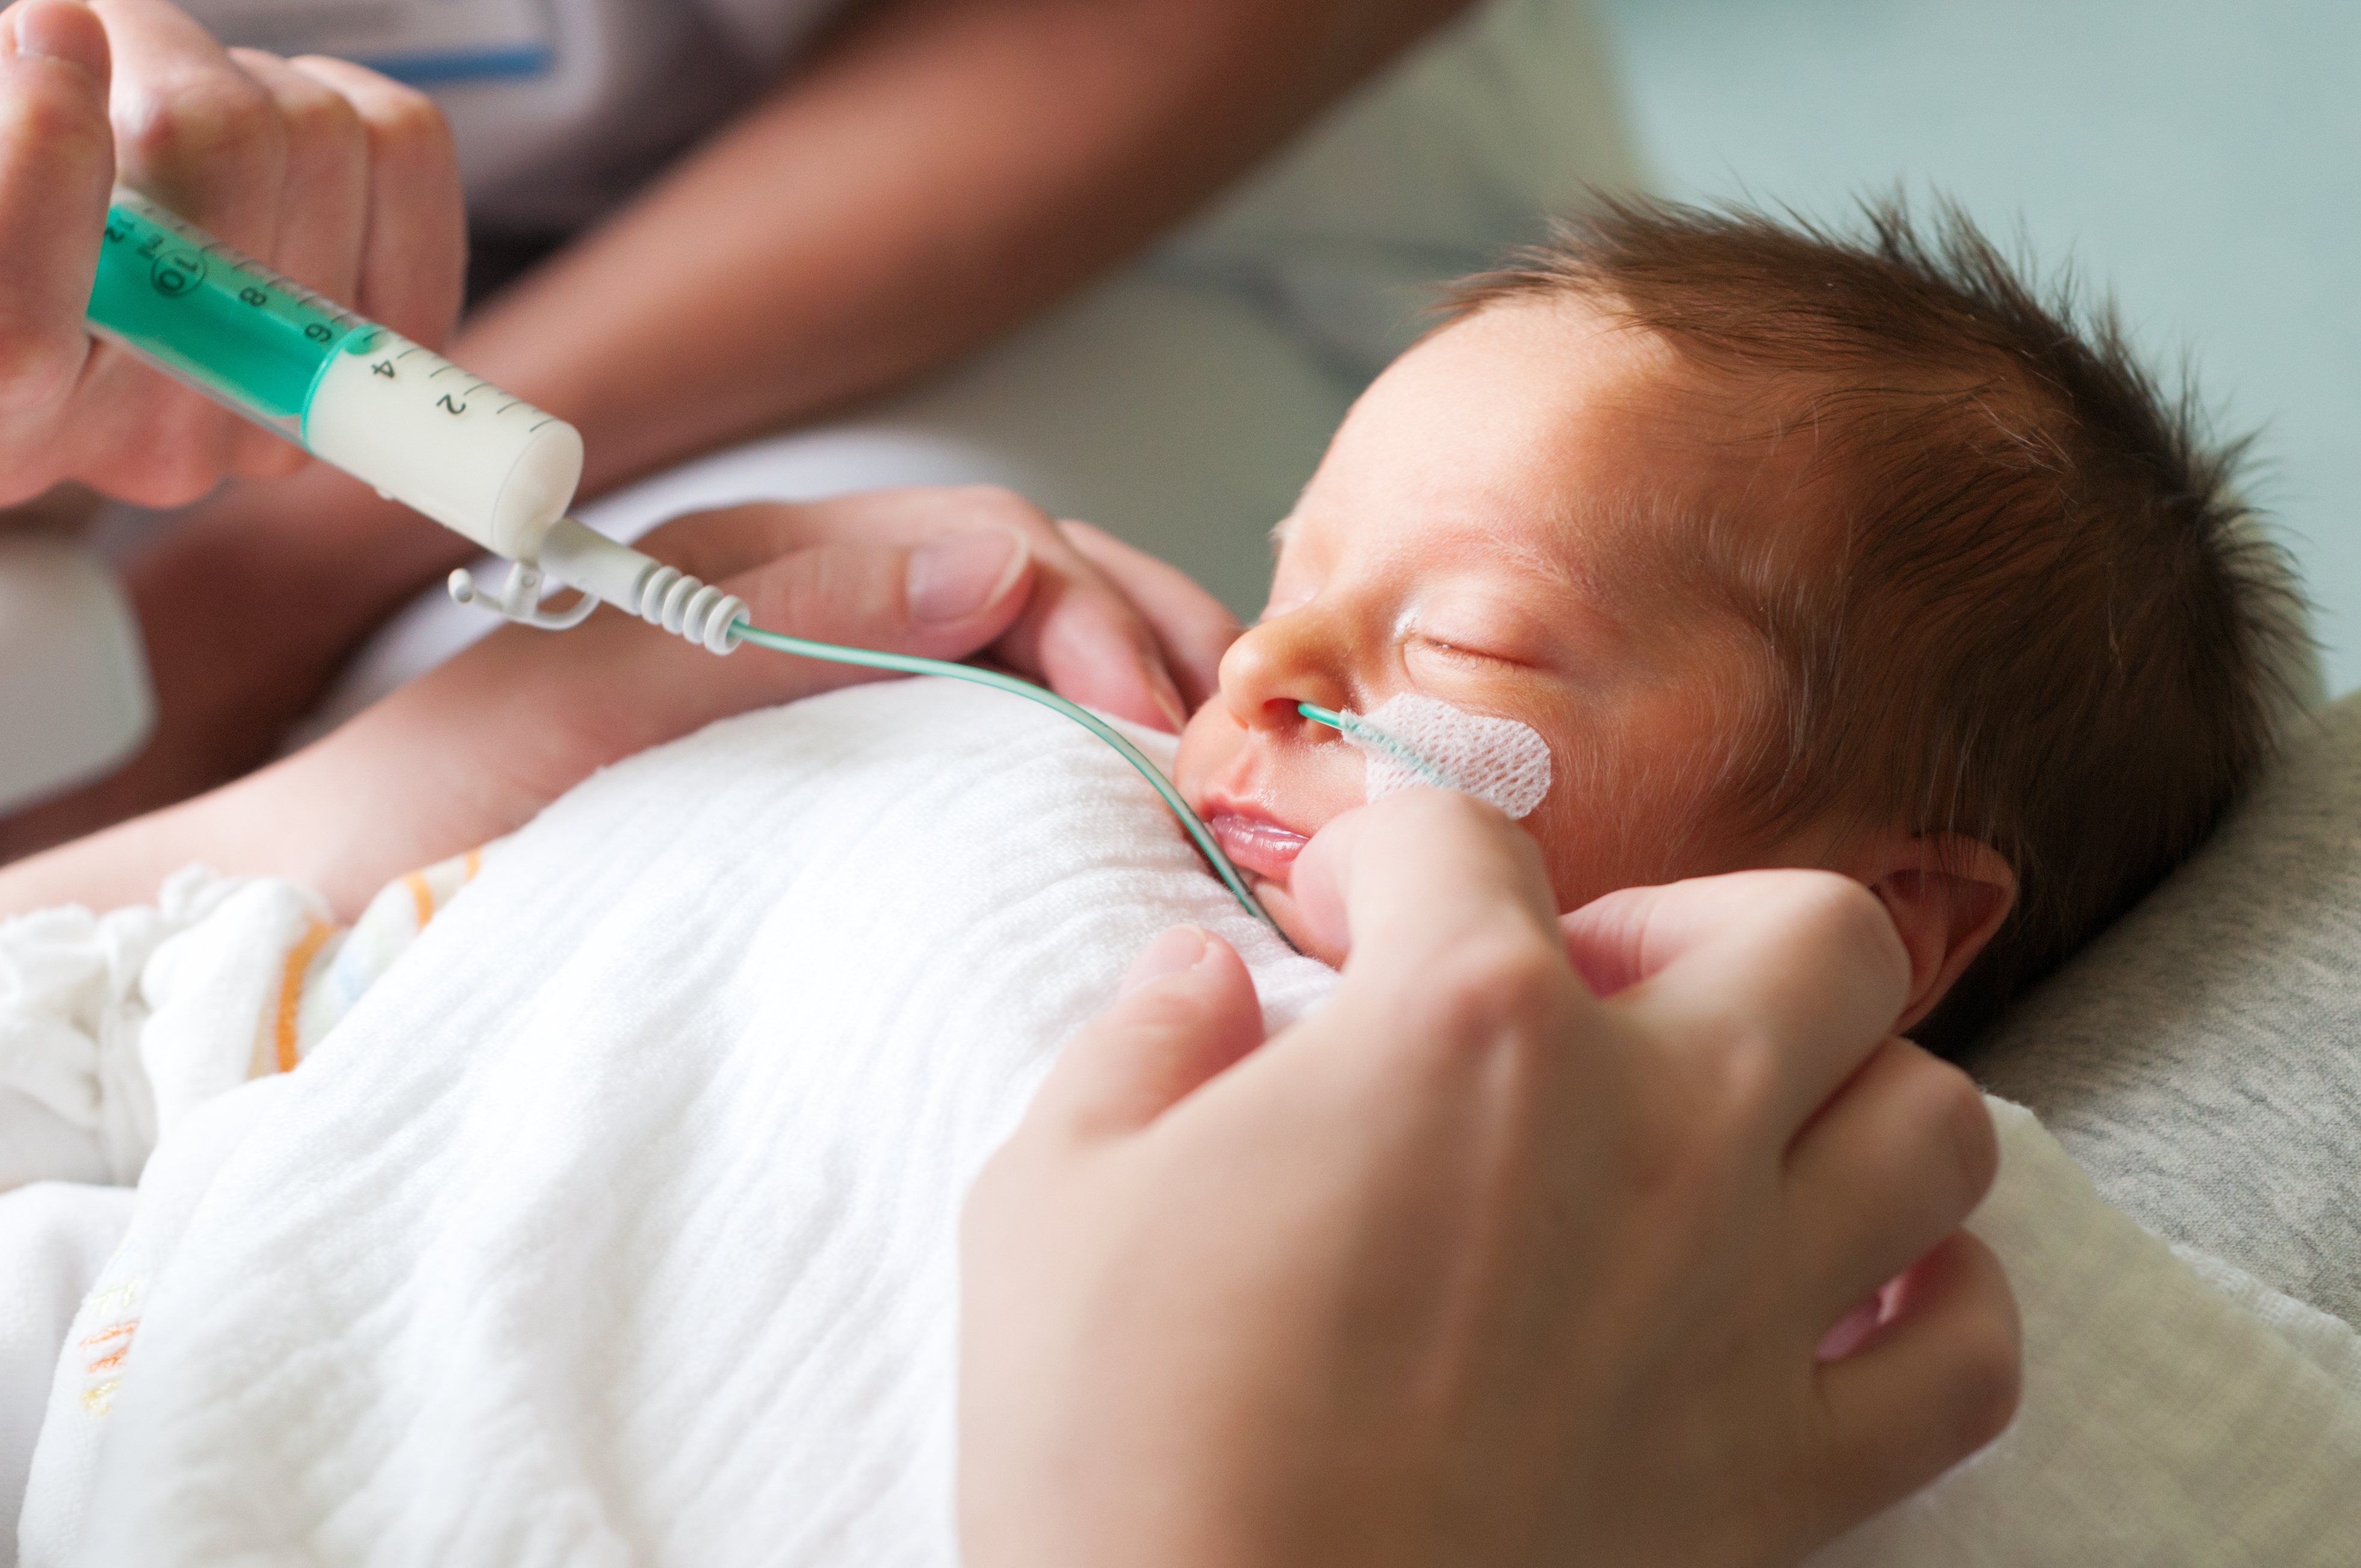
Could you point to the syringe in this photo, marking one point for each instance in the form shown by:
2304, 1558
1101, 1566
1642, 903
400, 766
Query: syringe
395, 415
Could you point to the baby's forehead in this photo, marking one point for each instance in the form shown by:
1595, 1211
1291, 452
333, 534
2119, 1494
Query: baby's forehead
1553, 438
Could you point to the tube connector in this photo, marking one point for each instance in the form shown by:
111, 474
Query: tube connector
577, 557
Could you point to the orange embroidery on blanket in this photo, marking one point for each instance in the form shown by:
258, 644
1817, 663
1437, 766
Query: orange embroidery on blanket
112, 1343
104, 1337
422, 897
290, 992
475, 864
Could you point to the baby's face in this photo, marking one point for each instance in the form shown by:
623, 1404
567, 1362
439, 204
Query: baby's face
1480, 532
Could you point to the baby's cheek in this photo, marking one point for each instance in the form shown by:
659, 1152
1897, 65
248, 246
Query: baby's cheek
1621, 816
1207, 743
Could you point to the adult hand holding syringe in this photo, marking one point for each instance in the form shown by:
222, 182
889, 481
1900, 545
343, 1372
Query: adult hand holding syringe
332, 175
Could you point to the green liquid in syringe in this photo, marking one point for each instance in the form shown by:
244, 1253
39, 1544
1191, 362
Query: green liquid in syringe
220, 321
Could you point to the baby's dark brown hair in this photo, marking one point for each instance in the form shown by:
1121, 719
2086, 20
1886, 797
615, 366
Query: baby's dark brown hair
2036, 612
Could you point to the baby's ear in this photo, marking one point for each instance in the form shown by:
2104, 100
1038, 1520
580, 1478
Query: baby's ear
1946, 895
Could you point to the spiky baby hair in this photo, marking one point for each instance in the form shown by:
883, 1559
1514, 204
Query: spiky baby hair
2025, 603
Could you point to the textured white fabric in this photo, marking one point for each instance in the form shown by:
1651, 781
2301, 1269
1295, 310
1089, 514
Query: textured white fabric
97, 1348
1413, 739
54, 1238
113, 1028
616, 1223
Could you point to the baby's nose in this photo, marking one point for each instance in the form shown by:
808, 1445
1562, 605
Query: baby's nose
1276, 664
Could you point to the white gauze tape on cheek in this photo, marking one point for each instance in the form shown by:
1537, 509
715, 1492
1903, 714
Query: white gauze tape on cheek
1494, 759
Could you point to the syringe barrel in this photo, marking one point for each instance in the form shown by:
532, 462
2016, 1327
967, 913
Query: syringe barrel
474, 459
399, 417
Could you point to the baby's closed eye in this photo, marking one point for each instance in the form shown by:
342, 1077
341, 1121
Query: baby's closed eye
1466, 652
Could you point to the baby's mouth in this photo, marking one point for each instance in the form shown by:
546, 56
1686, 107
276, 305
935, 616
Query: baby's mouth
1257, 844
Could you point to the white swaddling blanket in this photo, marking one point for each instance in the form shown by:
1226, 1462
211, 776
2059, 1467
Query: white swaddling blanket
618, 1223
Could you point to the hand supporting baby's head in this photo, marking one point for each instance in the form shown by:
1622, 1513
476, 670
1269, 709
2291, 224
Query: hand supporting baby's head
1798, 550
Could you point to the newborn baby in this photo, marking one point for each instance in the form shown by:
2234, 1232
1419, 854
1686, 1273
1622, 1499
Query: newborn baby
1769, 548
1795, 551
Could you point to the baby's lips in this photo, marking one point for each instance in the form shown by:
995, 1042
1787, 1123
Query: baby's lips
1255, 843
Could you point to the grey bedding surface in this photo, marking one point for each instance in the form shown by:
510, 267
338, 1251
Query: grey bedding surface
2202, 1060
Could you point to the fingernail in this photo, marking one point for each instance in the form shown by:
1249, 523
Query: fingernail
1166, 695
51, 32
963, 573
1182, 947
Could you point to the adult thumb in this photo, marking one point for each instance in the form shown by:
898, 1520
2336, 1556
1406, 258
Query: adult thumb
1188, 1011
944, 599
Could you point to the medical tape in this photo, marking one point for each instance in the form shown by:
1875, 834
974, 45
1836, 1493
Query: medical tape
1415, 740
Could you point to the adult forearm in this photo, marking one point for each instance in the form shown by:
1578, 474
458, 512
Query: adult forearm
275, 822
937, 174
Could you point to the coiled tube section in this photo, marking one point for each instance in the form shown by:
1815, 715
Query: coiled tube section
688, 607
639, 585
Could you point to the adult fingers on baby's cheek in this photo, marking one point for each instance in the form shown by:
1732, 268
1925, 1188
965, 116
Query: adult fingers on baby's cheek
1194, 628
1624, 937
1890, 1166
1422, 882
1187, 1012
413, 233
1608, 940
1783, 1001
1929, 1388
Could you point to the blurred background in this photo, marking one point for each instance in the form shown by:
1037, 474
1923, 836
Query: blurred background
2196, 159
